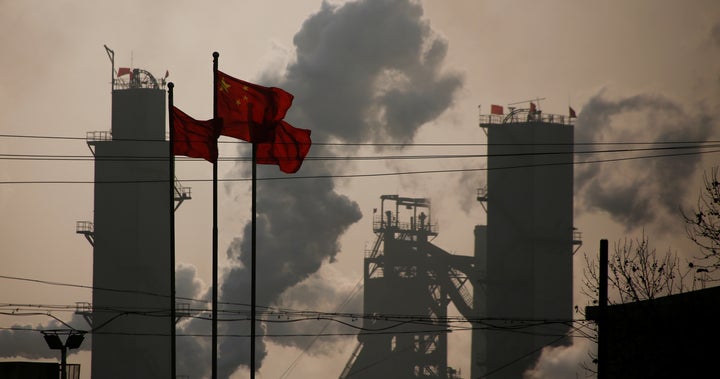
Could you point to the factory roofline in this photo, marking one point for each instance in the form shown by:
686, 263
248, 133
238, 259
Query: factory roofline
517, 116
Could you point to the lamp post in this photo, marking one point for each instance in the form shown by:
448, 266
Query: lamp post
73, 341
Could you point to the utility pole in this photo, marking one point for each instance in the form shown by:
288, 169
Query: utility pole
602, 356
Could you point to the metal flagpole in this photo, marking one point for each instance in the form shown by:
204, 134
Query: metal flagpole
215, 234
253, 270
171, 180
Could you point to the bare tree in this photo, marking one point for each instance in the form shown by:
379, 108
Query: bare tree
703, 227
636, 271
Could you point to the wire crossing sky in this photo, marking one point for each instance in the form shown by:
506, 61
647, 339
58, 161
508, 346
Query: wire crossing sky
392, 91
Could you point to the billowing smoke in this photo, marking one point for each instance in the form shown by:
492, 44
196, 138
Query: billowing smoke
192, 349
715, 35
365, 71
369, 70
565, 362
638, 192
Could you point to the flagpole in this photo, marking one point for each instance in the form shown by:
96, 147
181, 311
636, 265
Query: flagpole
171, 180
252, 259
215, 234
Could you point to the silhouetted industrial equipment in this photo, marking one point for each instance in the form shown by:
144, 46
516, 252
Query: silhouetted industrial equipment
130, 232
408, 285
525, 251
516, 289
73, 340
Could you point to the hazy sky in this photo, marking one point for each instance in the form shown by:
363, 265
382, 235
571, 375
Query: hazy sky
361, 72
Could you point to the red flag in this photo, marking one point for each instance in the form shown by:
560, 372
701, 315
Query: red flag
572, 113
496, 109
533, 108
288, 148
249, 111
193, 138
123, 71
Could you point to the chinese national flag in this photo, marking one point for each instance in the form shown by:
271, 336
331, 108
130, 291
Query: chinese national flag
193, 138
496, 109
288, 148
572, 113
123, 71
249, 110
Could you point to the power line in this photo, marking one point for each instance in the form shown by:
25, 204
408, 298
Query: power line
389, 144
364, 331
133, 158
333, 176
351, 295
271, 316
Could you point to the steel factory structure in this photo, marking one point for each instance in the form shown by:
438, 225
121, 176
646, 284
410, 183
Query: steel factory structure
515, 290
130, 233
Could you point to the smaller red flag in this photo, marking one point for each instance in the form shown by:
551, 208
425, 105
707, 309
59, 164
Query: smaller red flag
193, 138
496, 109
572, 113
533, 108
288, 148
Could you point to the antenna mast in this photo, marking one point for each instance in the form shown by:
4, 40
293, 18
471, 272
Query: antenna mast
111, 55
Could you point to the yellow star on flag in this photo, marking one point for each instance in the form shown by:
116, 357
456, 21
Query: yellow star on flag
224, 86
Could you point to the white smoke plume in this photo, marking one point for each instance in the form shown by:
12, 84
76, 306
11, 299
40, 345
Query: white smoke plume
638, 192
364, 71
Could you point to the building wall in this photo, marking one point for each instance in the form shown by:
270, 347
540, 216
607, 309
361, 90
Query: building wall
30, 370
529, 240
666, 337
132, 241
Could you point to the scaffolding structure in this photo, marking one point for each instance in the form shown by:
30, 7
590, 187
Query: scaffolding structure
409, 283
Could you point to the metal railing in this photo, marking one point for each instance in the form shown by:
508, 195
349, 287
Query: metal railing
519, 117
99, 135
82, 227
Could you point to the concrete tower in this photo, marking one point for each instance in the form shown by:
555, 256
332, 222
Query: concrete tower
131, 234
525, 252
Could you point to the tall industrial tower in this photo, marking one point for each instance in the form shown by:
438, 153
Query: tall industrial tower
517, 288
131, 234
524, 253
409, 283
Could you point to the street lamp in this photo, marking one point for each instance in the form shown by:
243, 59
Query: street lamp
73, 341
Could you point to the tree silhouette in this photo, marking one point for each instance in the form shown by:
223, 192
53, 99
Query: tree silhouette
703, 228
636, 271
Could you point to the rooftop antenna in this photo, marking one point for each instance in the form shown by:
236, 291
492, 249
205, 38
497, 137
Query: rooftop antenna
111, 55
536, 100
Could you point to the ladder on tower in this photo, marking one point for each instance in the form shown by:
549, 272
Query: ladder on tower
181, 193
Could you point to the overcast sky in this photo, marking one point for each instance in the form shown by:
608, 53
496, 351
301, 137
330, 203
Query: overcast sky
362, 72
